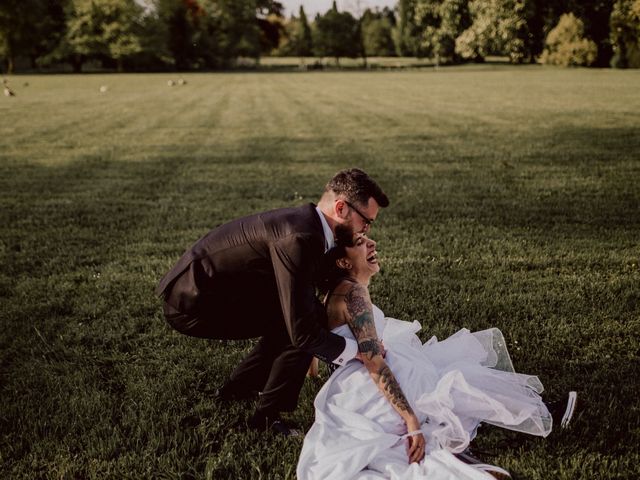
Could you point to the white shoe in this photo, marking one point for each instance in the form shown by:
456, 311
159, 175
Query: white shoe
562, 410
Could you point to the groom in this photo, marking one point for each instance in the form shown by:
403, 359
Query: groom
253, 277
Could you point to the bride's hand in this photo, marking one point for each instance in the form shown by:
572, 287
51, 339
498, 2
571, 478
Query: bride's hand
416, 444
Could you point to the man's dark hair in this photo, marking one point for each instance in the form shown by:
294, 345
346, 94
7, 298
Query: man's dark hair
357, 187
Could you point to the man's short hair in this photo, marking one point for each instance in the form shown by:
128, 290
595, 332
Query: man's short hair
356, 187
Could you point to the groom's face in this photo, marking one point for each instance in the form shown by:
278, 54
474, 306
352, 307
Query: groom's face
361, 217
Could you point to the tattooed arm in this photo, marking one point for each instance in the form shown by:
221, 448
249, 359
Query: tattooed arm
359, 316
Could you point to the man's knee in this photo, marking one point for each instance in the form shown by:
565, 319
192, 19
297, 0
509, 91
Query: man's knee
181, 322
212, 323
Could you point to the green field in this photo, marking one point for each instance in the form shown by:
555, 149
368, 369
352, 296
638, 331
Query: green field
515, 203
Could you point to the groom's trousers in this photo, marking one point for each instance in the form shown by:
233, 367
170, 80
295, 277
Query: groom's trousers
274, 367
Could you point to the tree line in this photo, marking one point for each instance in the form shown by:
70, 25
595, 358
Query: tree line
212, 34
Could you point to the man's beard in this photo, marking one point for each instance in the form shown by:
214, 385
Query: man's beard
344, 235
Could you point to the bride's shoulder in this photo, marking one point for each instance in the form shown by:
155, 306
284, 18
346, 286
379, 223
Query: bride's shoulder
336, 296
337, 302
349, 292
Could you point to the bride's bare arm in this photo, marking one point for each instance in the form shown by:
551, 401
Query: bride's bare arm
359, 316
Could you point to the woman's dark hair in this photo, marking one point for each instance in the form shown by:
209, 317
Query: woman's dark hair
357, 187
329, 273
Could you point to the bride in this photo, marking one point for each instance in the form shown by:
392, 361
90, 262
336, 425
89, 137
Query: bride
405, 408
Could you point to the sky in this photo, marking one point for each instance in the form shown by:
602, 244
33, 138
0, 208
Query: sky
311, 7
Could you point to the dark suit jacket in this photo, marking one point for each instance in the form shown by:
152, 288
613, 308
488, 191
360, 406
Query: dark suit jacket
274, 252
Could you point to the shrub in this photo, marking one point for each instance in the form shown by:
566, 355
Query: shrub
499, 27
566, 45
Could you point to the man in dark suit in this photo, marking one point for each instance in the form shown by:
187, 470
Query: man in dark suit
254, 277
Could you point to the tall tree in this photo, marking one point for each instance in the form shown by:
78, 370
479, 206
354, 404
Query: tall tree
595, 15
377, 33
297, 40
625, 34
271, 24
213, 33
306, 42
178, 20
269, 7
121, 29
25, 26
406, 33
440, 22
47, 32
272, 31
101, 29
240, 31
336, 34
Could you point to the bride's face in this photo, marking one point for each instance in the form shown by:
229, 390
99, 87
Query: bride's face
362, 256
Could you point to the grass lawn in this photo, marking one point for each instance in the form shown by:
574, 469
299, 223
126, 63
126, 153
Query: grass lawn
515, 203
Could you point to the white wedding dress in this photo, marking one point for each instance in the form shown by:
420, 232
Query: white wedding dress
452, 386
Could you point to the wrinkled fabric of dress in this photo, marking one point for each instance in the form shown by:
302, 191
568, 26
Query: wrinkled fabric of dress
452, 385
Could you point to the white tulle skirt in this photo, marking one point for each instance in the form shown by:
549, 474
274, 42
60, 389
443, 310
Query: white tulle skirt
452, 385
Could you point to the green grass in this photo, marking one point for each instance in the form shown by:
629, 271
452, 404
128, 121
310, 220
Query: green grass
515, 203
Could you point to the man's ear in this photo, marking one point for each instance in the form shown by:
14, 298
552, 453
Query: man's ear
341, 208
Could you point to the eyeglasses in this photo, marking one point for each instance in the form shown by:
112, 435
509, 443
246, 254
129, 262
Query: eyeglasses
367, 220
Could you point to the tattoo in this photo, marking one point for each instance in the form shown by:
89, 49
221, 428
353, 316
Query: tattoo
363, 323
391, 386
360, 312
369, 347
356, 300
361, 320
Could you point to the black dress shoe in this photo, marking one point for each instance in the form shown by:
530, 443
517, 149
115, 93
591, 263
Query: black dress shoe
226, 394
261, 420
282, 428
271, 422
562, 410
468, 457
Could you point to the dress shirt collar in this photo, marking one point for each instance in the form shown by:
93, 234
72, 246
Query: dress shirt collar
329, 241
